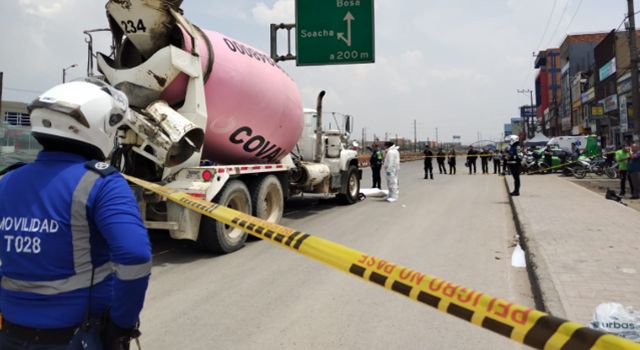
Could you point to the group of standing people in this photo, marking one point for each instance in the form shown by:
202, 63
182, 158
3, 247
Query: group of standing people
441, 157
499, 160
389, 160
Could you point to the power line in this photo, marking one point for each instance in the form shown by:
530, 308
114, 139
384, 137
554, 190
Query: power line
546, 27
574, 15
555, 31
624, 19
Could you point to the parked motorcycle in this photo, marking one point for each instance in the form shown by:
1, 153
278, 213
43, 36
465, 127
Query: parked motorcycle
596, 166
532, 163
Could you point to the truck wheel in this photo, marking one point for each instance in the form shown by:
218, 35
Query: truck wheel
353, 187
267, 199
218, 237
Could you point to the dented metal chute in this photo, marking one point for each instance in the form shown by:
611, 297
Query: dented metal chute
173, 138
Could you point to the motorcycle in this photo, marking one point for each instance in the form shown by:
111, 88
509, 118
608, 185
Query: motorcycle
532, 163
596, 166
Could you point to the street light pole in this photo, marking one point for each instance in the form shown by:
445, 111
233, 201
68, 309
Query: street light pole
64, 72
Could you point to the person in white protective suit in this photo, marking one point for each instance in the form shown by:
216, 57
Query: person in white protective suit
391, 167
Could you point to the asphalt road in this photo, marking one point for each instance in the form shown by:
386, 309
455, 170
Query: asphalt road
458, 228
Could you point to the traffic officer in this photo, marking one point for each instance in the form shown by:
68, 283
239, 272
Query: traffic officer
442, 157
514, 162
428, 163
73, 246
376, 165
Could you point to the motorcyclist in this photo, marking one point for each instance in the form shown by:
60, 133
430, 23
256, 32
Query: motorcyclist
75, 249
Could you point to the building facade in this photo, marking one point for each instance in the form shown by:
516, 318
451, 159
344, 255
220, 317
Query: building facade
548, 90
613, 121
16, 142
577, 61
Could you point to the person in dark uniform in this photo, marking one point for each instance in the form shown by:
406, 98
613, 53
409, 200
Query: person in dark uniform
376, 165
442, 157
484, 160
505, 158
75, 249
452, 162
548, 158
497, 159
472, 156
428, 163
514, 162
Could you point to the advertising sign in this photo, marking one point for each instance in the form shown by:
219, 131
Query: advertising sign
610, 103
624, 116
607, 69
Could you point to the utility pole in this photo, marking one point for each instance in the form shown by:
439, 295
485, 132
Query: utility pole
415, 137
529, 120
1, 77
633, 49
437, 140
364, 137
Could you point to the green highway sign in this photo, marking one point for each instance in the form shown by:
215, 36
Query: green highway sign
334, 32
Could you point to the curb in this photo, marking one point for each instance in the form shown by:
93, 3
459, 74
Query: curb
545, 296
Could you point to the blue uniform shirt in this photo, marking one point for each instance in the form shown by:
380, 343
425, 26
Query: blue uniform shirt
59, 221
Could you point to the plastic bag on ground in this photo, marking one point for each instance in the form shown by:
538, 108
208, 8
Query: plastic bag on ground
617, 319
374, 192
517, 258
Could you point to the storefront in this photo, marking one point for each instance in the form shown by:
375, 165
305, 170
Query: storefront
626, 123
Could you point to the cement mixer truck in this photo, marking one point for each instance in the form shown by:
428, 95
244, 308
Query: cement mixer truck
217, 119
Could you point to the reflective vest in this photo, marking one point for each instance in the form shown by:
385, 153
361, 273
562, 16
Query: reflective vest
64, 224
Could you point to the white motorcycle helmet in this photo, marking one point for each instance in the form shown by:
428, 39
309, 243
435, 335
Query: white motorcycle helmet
511, 139
79, 117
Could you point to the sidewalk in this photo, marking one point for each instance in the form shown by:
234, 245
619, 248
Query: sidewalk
584, 249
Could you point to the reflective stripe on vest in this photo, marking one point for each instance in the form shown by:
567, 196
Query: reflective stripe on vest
79, 223
77, 281
132, 272
81, 250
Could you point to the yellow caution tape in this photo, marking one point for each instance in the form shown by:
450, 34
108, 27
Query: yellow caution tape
520, 323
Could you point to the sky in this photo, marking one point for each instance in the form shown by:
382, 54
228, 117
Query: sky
453, 66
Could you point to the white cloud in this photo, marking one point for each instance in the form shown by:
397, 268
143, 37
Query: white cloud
43, 8
227, 10
282, 11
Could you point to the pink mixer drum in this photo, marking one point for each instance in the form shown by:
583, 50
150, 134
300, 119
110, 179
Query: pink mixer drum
253, 106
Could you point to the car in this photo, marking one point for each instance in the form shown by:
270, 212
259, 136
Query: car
559, 157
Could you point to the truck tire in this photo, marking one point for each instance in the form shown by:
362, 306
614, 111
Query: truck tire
267, 199
353, 187
218, 237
